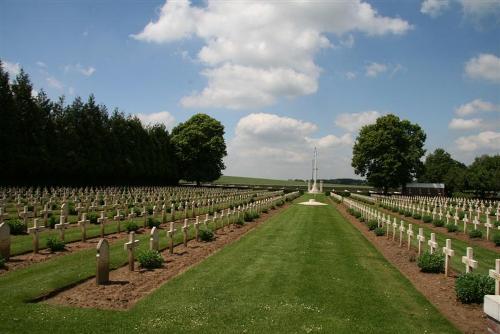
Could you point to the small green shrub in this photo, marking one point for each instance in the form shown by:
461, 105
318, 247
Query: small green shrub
496, 239
417, 216
496, 223
137, 211
471, 288
2, 262
265, 211
92, 217
451, 227
248, 217
206, 234
51, 222
350, 211
131, 226
16, 227
461, 215
408, 214
362, 219
150, 259
372, 224
474, 234
357, 214
71, 209
438, 223
379, 231
431, 263
149, 210
280, 203
240, 221
427, 219
153, 223
54, 244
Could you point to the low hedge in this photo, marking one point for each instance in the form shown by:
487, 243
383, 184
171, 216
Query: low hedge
471, 288
431, 263
150, 259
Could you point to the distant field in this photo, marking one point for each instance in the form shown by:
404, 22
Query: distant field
239, 180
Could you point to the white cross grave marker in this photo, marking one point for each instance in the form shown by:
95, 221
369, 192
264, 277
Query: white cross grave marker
448, 253
129, 247
469, 261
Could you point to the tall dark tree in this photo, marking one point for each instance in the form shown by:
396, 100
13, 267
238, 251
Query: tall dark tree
440, 167
484, 174
388, 152
47, 142
200, 148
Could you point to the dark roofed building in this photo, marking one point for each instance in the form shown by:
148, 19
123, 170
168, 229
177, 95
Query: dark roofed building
424, 189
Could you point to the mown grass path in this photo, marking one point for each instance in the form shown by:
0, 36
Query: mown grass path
306, 270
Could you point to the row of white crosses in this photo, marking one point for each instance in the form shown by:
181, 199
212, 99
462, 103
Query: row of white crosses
83, 222
86, 201
370, 213
103, 257
402, 202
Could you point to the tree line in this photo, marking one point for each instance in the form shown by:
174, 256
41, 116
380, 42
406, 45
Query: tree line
390, 151
45, 142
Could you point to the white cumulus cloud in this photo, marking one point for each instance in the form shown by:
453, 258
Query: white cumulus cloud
12, 68
162, 117
54, 83
354, 121
465, 124
475, 107
270, 145
79, 68
257, 52
372, 70
484, 141
484, 67
434, 8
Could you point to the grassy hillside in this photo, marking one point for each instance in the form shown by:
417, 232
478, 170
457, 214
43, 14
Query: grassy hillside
240, 180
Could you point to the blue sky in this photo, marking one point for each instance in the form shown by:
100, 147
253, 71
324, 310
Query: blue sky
282, 77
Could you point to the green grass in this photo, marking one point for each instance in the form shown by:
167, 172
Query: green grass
305, 270
252, 181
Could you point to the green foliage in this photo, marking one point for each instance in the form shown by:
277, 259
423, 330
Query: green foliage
92, 217
362, 219
431, 263
280, 203
55, 244
427, 219
17, 227
461, 215
131, 226
206, 234
439, 167
417, 216
472, 287
438, 222
451, 227
250, 216
265, 211
496, 239
484, 174
372, 224
474, 234
496, 223
150, 259
199, 148
407, 213
2, 262
51, 222
151, 222
240, 221
379, 231
388, 152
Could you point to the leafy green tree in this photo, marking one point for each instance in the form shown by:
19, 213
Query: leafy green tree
484, 174
388, 152
200, 148
440, 167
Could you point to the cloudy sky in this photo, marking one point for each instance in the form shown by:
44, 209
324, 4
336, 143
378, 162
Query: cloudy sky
282, 77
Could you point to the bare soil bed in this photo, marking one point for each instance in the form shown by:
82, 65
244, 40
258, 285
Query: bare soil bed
126, 288
24, 260
437, 288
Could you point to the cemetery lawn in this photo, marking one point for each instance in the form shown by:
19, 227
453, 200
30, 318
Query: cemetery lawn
305, 270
